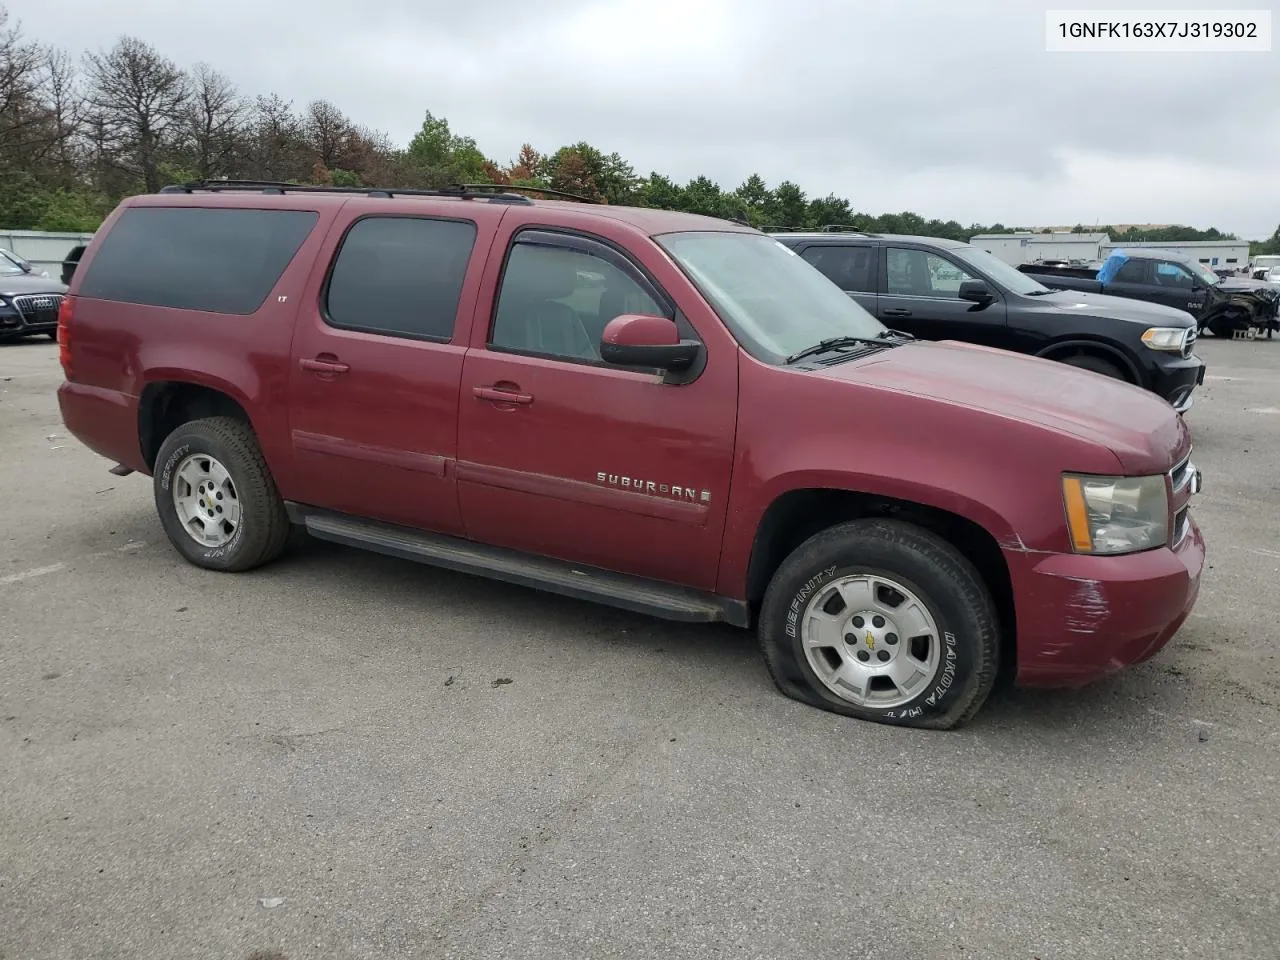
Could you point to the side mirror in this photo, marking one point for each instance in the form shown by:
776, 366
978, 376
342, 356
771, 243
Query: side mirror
636, 340
975, 291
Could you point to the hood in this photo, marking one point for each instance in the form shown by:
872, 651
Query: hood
1262, 297
1243, 285
25, 283
1142, 430
1118, 308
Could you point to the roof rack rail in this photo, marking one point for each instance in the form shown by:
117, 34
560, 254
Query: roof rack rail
507, 186
277, 187
842, 228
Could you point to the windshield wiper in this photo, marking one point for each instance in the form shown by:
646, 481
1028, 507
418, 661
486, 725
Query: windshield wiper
833, 343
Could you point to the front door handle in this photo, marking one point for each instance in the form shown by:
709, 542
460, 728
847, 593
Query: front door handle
319, 365
896, 312
500, 395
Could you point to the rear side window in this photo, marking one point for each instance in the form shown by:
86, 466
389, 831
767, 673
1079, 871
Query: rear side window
849, 268
218, 260
400, 276
1132, 271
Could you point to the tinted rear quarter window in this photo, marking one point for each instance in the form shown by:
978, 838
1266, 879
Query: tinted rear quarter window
400, 276
219, 260
848, 267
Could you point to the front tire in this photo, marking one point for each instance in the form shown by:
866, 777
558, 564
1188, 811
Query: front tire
884, 621
216, 497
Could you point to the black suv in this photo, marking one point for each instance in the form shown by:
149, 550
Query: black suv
946, 290
29, 301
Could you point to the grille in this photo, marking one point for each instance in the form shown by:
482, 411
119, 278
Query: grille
38, 309
1180, 475
1190, 342
1181, 525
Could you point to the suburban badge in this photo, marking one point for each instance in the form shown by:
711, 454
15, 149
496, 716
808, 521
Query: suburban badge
671, 491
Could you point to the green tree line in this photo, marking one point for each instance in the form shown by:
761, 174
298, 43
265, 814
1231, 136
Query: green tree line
76, 136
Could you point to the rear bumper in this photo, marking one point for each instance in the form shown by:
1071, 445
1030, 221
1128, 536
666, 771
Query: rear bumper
105, 421
1081, 618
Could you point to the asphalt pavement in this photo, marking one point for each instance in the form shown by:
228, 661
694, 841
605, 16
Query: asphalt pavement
348, 756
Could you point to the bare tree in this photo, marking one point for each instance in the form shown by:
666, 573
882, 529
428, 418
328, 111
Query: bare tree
216, 116
21, 116
140, 99
278, 148
328, 133
64, 107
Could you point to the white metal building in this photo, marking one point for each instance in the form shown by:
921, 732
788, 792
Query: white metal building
1019, 248
1215, 254
43, 249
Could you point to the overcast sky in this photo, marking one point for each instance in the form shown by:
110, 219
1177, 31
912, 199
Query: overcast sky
949, 108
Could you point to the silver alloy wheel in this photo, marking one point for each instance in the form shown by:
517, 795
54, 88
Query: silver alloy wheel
870, 640
205, 500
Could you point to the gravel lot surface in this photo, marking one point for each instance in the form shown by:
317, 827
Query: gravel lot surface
348, 756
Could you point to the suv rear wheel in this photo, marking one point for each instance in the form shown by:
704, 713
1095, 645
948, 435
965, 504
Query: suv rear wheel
216, 497
881, 620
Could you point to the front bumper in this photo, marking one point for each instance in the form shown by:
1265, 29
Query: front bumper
24, 314
1176, 379
1081, 618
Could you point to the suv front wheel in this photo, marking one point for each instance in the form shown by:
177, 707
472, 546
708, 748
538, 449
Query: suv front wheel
216, 497
884, 621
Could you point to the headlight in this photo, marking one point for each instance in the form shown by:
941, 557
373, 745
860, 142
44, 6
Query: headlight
1112, 515
1172, 339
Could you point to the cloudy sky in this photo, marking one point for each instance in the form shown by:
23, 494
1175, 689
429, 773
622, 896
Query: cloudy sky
949, 108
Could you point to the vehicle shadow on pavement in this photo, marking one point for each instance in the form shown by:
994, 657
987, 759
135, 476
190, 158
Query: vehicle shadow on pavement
1131, 698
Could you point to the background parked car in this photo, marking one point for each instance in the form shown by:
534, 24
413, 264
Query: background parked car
940, 289
1225, 305
29, 299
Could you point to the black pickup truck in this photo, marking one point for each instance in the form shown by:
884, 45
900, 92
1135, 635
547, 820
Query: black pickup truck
940, 289
1228, 307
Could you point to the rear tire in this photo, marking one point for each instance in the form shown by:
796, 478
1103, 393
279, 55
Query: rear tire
216, 497
52, 335
1087, 361
884, 621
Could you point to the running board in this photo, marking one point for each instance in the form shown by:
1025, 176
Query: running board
636, 594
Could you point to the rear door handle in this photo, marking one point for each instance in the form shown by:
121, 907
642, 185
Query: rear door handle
501, 396
323, 366
896, 312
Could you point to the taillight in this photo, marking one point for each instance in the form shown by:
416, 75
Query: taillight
64, 334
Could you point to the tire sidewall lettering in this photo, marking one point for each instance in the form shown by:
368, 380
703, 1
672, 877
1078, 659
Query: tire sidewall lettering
802, 596
166, 477
945, 679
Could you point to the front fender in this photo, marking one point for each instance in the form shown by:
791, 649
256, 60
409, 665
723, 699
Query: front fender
809, 432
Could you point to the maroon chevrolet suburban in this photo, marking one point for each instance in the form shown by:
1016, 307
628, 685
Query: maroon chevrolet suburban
665, 412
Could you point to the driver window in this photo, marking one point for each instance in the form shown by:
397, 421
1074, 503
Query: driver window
1173, 275
916, 273
556, 302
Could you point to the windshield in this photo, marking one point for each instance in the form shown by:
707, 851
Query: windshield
999, 271
8, 265
775, 303
1204, 274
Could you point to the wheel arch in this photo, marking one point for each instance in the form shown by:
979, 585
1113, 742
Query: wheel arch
167, 403
1059, 350
797, 514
